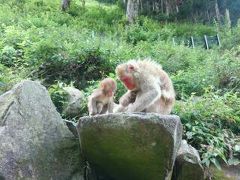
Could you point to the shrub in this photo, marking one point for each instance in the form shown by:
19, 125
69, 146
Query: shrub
58, 96
211, 124
226, 70
84, 45
8, 56
8, 78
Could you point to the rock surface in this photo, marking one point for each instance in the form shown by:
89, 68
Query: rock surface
231, 172
135, 146
188, 163
74, 100
34, 141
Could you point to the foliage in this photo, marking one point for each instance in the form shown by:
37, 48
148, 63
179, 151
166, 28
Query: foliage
211, 124
84, 45
58, 96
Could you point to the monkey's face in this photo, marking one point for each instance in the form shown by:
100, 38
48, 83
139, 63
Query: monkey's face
108, 86
125, 73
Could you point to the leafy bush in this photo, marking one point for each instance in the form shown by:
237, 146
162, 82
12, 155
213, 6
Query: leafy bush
8, 56
211, 124
58, 96
85, 67
84, 44
226, 70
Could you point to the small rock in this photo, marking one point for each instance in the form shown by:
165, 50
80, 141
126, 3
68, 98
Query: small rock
74, 102
188, 164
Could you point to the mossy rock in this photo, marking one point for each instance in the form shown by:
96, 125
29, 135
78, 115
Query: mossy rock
131, 146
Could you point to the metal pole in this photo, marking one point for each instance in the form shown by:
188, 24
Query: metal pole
218, 40
206, 42
192, 41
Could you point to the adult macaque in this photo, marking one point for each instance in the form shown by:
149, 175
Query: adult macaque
101, 100
149, 88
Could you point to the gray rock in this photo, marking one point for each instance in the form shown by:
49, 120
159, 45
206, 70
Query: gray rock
137, 146
74, 101
188, 164
227, 172
72, 127
34, 141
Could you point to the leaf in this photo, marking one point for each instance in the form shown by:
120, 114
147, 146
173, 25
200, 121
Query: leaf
233, 161
189, 135
237, 148
206, 161
216, 163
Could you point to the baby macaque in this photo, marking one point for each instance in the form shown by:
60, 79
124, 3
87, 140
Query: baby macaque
149, 88
101, 100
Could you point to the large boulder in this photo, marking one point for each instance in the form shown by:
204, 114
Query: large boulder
188, 163
136, 146
34, 141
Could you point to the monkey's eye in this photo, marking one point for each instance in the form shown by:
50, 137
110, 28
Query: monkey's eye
131, 67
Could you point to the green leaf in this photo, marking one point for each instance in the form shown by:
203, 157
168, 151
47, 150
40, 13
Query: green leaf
233, 161
216, 163
237, 148
206, 161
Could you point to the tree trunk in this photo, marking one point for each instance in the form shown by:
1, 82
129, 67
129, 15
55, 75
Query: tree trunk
65, 4
132, 10
217, 11
162, 6
228, 23
167, 11
141, 5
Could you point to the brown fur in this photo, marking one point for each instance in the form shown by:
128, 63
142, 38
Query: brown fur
153, 89
101, 100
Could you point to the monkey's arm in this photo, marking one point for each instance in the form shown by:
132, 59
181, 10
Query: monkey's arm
127, 98
99, 107
124, 101
119, 108
148, 94
110, 106
92, 102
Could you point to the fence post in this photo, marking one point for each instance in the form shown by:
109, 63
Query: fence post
192, 42
218, 40
206, 42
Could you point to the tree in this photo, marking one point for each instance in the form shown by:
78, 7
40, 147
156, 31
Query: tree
65, 4
132, 10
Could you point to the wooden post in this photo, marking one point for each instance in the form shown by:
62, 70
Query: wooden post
206, 42
192, 42
218, 40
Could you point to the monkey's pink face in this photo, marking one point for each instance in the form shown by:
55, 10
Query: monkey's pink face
110, 90
109, 87
128, 82
125, 74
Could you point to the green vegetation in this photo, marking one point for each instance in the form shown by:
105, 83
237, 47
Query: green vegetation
84, 45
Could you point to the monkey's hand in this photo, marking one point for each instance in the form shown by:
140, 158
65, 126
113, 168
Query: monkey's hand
92, 113
119, 108
127, 98
144, 100
124, 102
130, 108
